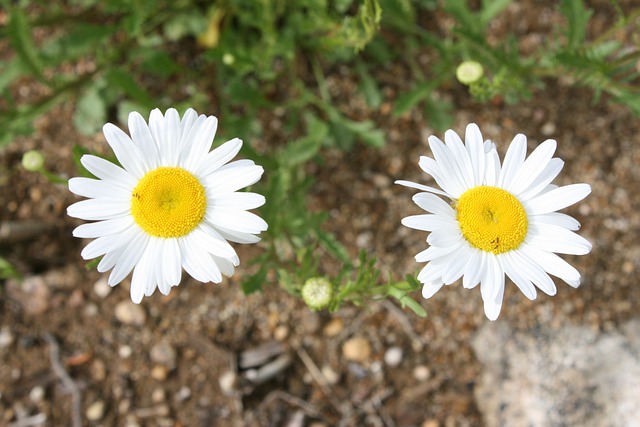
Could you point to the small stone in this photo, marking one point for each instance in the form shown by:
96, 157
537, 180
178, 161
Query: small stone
36, 394
95, 411
227, 382
393, 356
164, 354
101, 287
98, 370
281, 333
334, 327
548, 129
356, 349
159, 372
421, 373
32, 294
183, 394
331, 376
130, 314
158, 395
125, 351
6, 337
430, 423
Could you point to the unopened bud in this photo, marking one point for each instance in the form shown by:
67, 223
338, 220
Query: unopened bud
469, 72
317, 293
33, 160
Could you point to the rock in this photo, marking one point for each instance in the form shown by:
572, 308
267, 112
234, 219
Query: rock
421, 373
227, 382
281, 333
159, 372
32, 294
6, 337
95, 411
331, 376
129, 313
36, 394
101, 287
334, 327
163, 353
125, 351
183, 394
356, 349
568, 376
393, 356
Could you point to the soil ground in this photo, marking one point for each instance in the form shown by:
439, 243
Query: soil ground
182, 360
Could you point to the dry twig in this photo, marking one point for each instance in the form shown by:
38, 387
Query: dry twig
69, 384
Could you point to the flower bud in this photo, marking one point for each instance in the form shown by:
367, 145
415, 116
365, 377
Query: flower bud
33, 160
317, 293
469, 72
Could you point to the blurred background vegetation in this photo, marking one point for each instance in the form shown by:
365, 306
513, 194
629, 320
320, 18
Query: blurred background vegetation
242, 59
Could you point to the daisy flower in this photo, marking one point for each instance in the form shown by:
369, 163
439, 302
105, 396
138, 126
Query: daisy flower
500, 219
173, 204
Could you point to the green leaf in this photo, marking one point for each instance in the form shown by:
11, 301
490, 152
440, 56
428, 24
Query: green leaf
366, 131
439, 114
20, 36
11, 70
123, 80
491, 8
91, 112
254, 283
577, 17
160, 63
407, 101
368, 86
329, 242
303, 149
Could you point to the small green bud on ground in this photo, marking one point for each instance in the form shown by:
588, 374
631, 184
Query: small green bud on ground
469, 72
33, 161
317, 293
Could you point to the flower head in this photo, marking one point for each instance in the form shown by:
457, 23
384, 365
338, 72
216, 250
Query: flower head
172, 205
501, 219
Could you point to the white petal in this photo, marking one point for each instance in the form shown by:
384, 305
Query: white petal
444, 237
141, 135
511, 268
428, 222
103, 169
430, 289
432, 272
237, 236
209, 240
219, 157
533, 272
198, 263
452, 180
556, 199
201, 143
553, 238
541, 182
103, 228
127, 153
232, 219
238, 201
143, 279
158, 132
513, 160
98, 209
553, 264
228, 180
226, 265
492, 307
456, 267
532, 167
434, 204
129, 258
492, 170
433, 252
100, 246
556, 218
95, 188
474, 146
171, 265
421, 187
461, 157
475, 269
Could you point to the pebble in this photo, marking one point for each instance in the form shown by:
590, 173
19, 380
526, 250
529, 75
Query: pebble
101, 287
356, 349
158, 395
36, 394
32, 293
334, 327
548, 129
421, 373
393, 356
125, 351
183, 394
95, 411
159, 372
281, 333
98, 370
331, 376
227, 382
129, 313
6, 337
163, 353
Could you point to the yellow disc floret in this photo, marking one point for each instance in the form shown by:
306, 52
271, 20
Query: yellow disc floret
492, 219
168, 202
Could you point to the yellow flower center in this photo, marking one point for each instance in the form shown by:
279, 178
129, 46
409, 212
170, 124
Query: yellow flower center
492, 219
168, 202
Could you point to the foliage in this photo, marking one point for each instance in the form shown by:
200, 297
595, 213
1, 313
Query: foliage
240, 59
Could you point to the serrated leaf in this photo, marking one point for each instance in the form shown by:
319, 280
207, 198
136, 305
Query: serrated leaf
90, 113
369, 87
329, 242
254, 283
22, 42
160, 63
407, 101
366, 132
303, 149
121, 79
491, 8
577, 18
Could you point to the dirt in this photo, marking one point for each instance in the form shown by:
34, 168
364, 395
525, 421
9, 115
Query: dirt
181, 360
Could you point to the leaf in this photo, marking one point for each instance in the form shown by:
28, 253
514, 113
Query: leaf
491, 8
123, 80
303, 149
90, 113
20, 36
577, 17
160, 63
439, 114
409, 100
369, 87
329, 242
254, 283
11, 70
366, 131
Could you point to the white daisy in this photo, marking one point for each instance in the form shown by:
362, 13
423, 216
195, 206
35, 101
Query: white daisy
500, 218
173, 204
